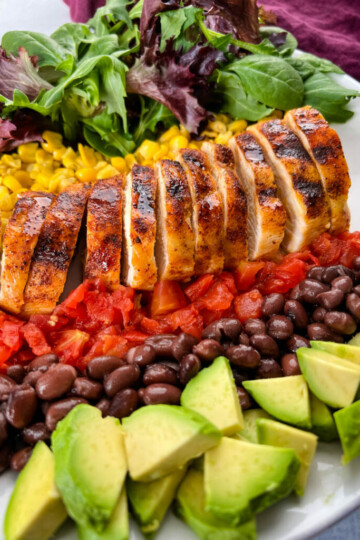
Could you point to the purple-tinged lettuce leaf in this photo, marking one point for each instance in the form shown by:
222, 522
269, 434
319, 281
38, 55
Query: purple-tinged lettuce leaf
22, 128
20, 73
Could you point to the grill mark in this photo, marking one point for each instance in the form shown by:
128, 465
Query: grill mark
267, 193
250, 147
322, 154
312, 193
224, 155
284, 142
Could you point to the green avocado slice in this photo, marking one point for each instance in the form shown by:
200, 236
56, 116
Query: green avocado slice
304, 444
249, 431
212, 393
346, 352
333, 380
90, 465
35, 510
151, 500
323, 424
242, 479
348, 424
285, 398
160, 439
355, 340
190, 507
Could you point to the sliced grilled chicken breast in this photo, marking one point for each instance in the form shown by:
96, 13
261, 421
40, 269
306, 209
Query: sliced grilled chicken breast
324, 146
54, 250
175, 239
234, 203
20, 238
139, 229
208, 215
299, 184
104, 231
266, 215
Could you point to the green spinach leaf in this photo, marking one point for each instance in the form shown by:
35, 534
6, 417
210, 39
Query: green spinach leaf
48, 51
288, 43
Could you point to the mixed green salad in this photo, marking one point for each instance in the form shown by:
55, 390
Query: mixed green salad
138, 66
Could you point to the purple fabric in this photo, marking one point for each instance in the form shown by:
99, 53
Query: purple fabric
327, 28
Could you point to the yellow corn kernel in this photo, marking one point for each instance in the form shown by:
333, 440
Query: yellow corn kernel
217, 126
161, 154
87, 155
66, 182
11, 160
146, 150
100, 165
6, 202
42, 157
12, 183
59, 153
223, 138
222, 118
209, 134
43, 180
195, 145
87, 174
54, 185
68, 159
23, 177
169, 134
184, 132
130, 160
238, 126
53, 141
107, 172
27, 152
119, 163
178, 142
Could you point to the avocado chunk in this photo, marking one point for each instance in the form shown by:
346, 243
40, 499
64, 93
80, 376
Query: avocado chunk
304, 444
162, 438
117, 527
249, 431
242, 479
151, 500
190, 507
333, 380
347, 352
212, 393
285, 398
348, 424
35, 509
90, 465
355, 340
323, 424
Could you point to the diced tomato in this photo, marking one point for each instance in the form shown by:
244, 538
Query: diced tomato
284, 276
36, 339
5, 353
49, 323
327, 248
199, 287
229, 280
70, 344
188, 320
75, 297
248, 305
245, 275
218, 297
11, 335
100, 307
211, 316
156, 326
167, 296
135, 336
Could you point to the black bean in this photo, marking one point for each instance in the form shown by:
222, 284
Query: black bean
208, 349
319, 314
123, 377
315, 272
4, 432
142, 355
296, 312
331, 272
254, 326
35, 433
190, 366
58, 410
309, 290
295, 342
173, 365
55, 382
100, 366
243, 356
6, 451
7, 385
20, 458
244, 339
356, 263
319, 332
44, 406
239, 375
87, 388
32, 377
330, 299
16, 372
344, 283
42, 363
272, 304
266, 345
244, 398
155, 394
104, 405
162, 344
340, 322
290, 365
159, 373
353, 305
224, 328
21, 406
279, 327
357, 290
183, 345
123, 403
295, 293
268, 369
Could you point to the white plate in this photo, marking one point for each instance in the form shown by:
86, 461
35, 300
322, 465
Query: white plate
333, 491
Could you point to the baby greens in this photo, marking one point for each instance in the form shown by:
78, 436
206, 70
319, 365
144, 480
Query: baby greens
138, 66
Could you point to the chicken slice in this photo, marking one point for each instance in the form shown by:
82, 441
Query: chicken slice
266, 215
54, 250
175, 242
208, 215
234, 203
104, 231
324, 146
139, 229
20, 238
299, 184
